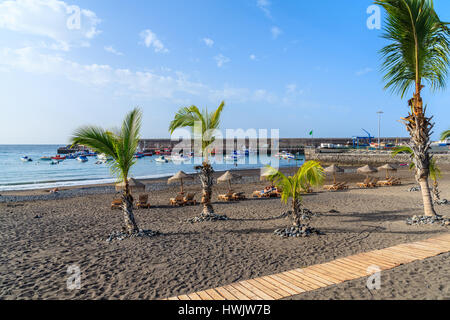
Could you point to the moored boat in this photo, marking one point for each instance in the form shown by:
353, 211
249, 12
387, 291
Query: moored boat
46, 159
82, 159
26, 159
161, 159
58, 157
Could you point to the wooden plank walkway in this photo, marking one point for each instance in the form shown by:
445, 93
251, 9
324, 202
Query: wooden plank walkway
294, 282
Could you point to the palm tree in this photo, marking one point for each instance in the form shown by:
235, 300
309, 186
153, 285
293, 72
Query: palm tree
310, 174
445, 135
434, 170
121, 145
418, 53
203, 124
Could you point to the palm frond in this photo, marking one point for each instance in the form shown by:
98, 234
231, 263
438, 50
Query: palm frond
95, 138
435, 171
403, 149
189, 117
445, 135
121, 144
419, 48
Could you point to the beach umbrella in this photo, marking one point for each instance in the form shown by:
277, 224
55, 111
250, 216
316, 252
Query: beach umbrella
367, 170
135, 185
334, 169
388, 167
227, 177
179, 176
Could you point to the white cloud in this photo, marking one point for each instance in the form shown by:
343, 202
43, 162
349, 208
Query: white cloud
151, 40
110, 49
252, 57
292, 94
264, 5
275, 32
209, 42
363, 71
165, 84
67, 26
221, 60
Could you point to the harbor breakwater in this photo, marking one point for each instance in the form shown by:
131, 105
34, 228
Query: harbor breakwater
363, 157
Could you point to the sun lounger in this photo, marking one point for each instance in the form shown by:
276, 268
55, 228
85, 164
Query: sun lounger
178, 200
390, 182
116, 204
238, 196
226, 197
143, 202
189, 199
365, 184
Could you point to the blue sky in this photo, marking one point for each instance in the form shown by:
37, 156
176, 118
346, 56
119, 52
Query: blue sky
292, 65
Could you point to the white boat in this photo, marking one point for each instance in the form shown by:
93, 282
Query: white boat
179, 158
440, 146
82, 159
161, 159
104, 157
26, 159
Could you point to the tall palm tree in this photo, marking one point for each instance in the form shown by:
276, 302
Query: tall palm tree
418, 53
121, 145
445, 135
309, 174
202, 123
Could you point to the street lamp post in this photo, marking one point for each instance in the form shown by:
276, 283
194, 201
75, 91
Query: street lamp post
379, 128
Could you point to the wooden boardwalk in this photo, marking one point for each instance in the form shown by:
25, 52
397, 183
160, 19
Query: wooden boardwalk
294, 282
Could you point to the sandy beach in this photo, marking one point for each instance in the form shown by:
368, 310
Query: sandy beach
40, 239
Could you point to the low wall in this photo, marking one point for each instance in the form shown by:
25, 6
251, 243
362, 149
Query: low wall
361, 158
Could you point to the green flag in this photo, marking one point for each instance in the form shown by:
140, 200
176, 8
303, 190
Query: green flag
311, 133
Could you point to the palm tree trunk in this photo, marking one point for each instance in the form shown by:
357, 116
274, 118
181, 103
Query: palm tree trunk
206, 179
127, 210
419, 127
296, 217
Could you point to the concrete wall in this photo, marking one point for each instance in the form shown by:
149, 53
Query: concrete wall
363, 158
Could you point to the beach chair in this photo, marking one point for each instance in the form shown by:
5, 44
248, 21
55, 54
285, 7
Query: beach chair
189, 199
116, 204
226, 197
342, 186
329, 187
338, 186
238, 196
393, 182
143, 202
373, 182
365, 183
178, 200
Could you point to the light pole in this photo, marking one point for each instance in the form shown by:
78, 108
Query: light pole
379, 128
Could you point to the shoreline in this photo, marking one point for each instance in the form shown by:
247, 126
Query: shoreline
160, 183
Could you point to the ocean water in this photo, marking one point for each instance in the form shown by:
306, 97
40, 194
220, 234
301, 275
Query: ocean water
18, 175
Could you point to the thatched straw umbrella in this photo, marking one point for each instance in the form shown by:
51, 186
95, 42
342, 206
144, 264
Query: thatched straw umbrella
135, 185
179, 176
367, 170
227, 177
388, 167
334, 169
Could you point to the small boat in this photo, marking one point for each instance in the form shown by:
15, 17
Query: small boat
104, 157
46, 159
139, 155
26, 159
161, 159
59, 158
82, 159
